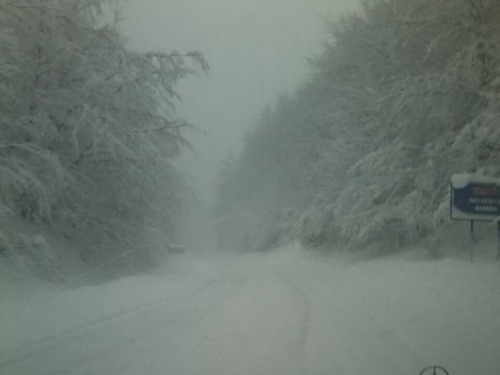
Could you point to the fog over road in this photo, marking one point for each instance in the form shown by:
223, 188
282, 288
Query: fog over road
288, 312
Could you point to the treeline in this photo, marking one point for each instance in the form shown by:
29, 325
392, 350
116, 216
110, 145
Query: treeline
404, 94
88, 132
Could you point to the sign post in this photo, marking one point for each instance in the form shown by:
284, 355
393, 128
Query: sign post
498, 240
475, 198
472, 241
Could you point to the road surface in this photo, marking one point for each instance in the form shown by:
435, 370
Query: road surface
283, 313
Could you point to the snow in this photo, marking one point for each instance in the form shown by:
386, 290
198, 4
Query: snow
459, 181
287, 312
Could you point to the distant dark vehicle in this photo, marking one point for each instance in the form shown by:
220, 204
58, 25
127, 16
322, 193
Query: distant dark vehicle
176, 249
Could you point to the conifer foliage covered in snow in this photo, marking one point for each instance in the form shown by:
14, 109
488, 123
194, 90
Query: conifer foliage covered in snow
404, 94
87, 131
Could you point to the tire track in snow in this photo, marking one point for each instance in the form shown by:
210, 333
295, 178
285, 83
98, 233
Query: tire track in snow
304, 303
345, 335
36, 352
76, 332
348, 338
190, 314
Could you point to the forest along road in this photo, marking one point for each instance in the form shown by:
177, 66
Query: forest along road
288, 312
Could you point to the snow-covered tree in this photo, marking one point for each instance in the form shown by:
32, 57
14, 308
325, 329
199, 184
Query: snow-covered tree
88, 127
404, 94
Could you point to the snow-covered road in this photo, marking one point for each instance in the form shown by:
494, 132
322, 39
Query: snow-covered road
288, 312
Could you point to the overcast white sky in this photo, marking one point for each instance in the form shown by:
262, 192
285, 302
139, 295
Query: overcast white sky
256, 49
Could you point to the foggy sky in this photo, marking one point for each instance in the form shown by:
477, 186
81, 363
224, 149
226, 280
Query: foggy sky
256, 50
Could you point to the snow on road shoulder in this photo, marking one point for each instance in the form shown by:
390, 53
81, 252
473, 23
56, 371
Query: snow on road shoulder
394, 315
443, 311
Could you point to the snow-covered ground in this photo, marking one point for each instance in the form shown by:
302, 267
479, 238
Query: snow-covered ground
287, 312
